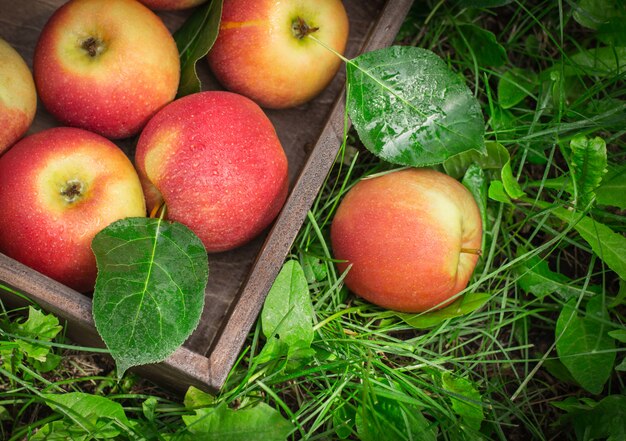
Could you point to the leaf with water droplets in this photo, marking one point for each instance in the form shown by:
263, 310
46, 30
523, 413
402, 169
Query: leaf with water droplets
150, 288
409, 108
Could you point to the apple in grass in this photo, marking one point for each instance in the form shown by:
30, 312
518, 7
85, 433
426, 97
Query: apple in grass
411, 238
264, 50
18, 99
216, 162
58, 188
171, 5
106, 66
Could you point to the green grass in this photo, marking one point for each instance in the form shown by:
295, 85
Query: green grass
497, 364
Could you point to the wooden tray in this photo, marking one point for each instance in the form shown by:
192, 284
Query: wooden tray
239, 280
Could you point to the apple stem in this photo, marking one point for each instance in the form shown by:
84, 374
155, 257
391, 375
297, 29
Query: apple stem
92, 46
476, 251
158, 211
72, 191
301, 28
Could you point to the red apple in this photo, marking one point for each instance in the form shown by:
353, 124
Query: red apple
58, 188
106, 66
18, 99
171, 5
215, 159
412, 238
264, 51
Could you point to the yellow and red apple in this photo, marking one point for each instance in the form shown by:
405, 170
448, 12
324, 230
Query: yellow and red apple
215, 160
106, 66
18, 99
171, 5
410, 238
264, 49
58, 188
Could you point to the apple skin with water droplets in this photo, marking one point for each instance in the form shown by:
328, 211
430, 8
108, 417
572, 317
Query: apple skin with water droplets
264, 51
411, 238
18, 102
106, 66
58, 188
215, 160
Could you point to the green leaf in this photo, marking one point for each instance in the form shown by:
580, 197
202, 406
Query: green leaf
287, 315
593, 13
38, 326
535, 277
344, 418
95, 415
515, 85
409, 108
194, 40
314, 268
476, 182
613, 32
483, 43
462, 306
60, 431
605, 243
150, 288
496, 156
497, 193
622, 366
258, 423
595, 421
602, 61
619, 335
612, 190
391, 420
509, 182
197, 398
587, 166
584, 346
466, 401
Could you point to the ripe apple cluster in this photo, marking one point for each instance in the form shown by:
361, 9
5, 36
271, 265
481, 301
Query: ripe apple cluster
110, 69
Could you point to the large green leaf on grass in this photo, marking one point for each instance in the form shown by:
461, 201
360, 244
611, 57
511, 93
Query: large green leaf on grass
605, 243
194, 40
258, 423
594, 13
584, 345
287, 315
96, 416
149, 292
462, 306
466, 400
612, 189
391, 420
483, 44
587, 167
409, 108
